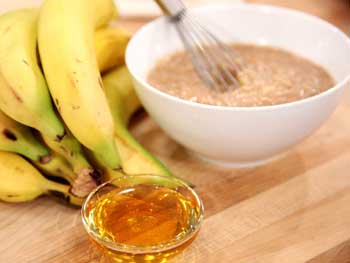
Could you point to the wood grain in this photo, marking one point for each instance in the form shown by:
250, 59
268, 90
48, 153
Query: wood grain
296, 209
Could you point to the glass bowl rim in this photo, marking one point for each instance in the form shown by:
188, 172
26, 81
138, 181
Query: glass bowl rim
136, 249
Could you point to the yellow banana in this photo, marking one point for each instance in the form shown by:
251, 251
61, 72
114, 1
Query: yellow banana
21, 182
121, 95
66, 46
23, 94
123, 101
110, 46
18, 138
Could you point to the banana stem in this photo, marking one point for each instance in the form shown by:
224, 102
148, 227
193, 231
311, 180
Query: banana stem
62, 191
57, 187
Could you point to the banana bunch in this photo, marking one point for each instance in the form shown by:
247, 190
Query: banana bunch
17, 138
22, 182
59, 116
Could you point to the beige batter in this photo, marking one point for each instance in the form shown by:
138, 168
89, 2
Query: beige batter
269, 76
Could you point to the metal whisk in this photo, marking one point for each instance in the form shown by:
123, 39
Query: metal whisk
215, 62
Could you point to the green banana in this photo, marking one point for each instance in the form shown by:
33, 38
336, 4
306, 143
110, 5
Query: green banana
23, 94
18, 138
135, 158
57, 166
72, 151
21, 182
123, 102
66, 46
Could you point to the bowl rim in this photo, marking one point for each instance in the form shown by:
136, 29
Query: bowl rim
261, 8
137, 249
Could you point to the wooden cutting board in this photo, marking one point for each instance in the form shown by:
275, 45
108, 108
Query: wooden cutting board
296, 209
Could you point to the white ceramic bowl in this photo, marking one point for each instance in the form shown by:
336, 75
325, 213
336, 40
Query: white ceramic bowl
239, 136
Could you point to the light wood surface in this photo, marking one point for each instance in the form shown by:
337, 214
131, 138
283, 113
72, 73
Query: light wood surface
296, 209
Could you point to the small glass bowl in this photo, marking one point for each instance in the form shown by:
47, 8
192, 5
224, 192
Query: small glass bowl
159, 252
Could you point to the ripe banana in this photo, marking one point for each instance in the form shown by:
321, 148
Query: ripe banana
23, 94
123, 101
26, 98
18, 138
21, 182
66, 46
110, 46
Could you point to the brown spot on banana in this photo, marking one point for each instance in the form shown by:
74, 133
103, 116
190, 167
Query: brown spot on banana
73, 81
14, 92
45, 159
16, 95
60, 137
9, 135
25, 62
11, 196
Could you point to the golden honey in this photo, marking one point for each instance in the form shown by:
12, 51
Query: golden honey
143, 223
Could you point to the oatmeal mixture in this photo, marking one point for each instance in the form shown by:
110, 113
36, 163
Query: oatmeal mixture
269, 76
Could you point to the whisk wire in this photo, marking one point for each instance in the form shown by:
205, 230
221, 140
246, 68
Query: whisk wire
224, 55
213, 52
214, 61
197, 63
199, 47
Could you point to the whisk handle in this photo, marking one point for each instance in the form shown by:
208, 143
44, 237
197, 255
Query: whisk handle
171, 7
